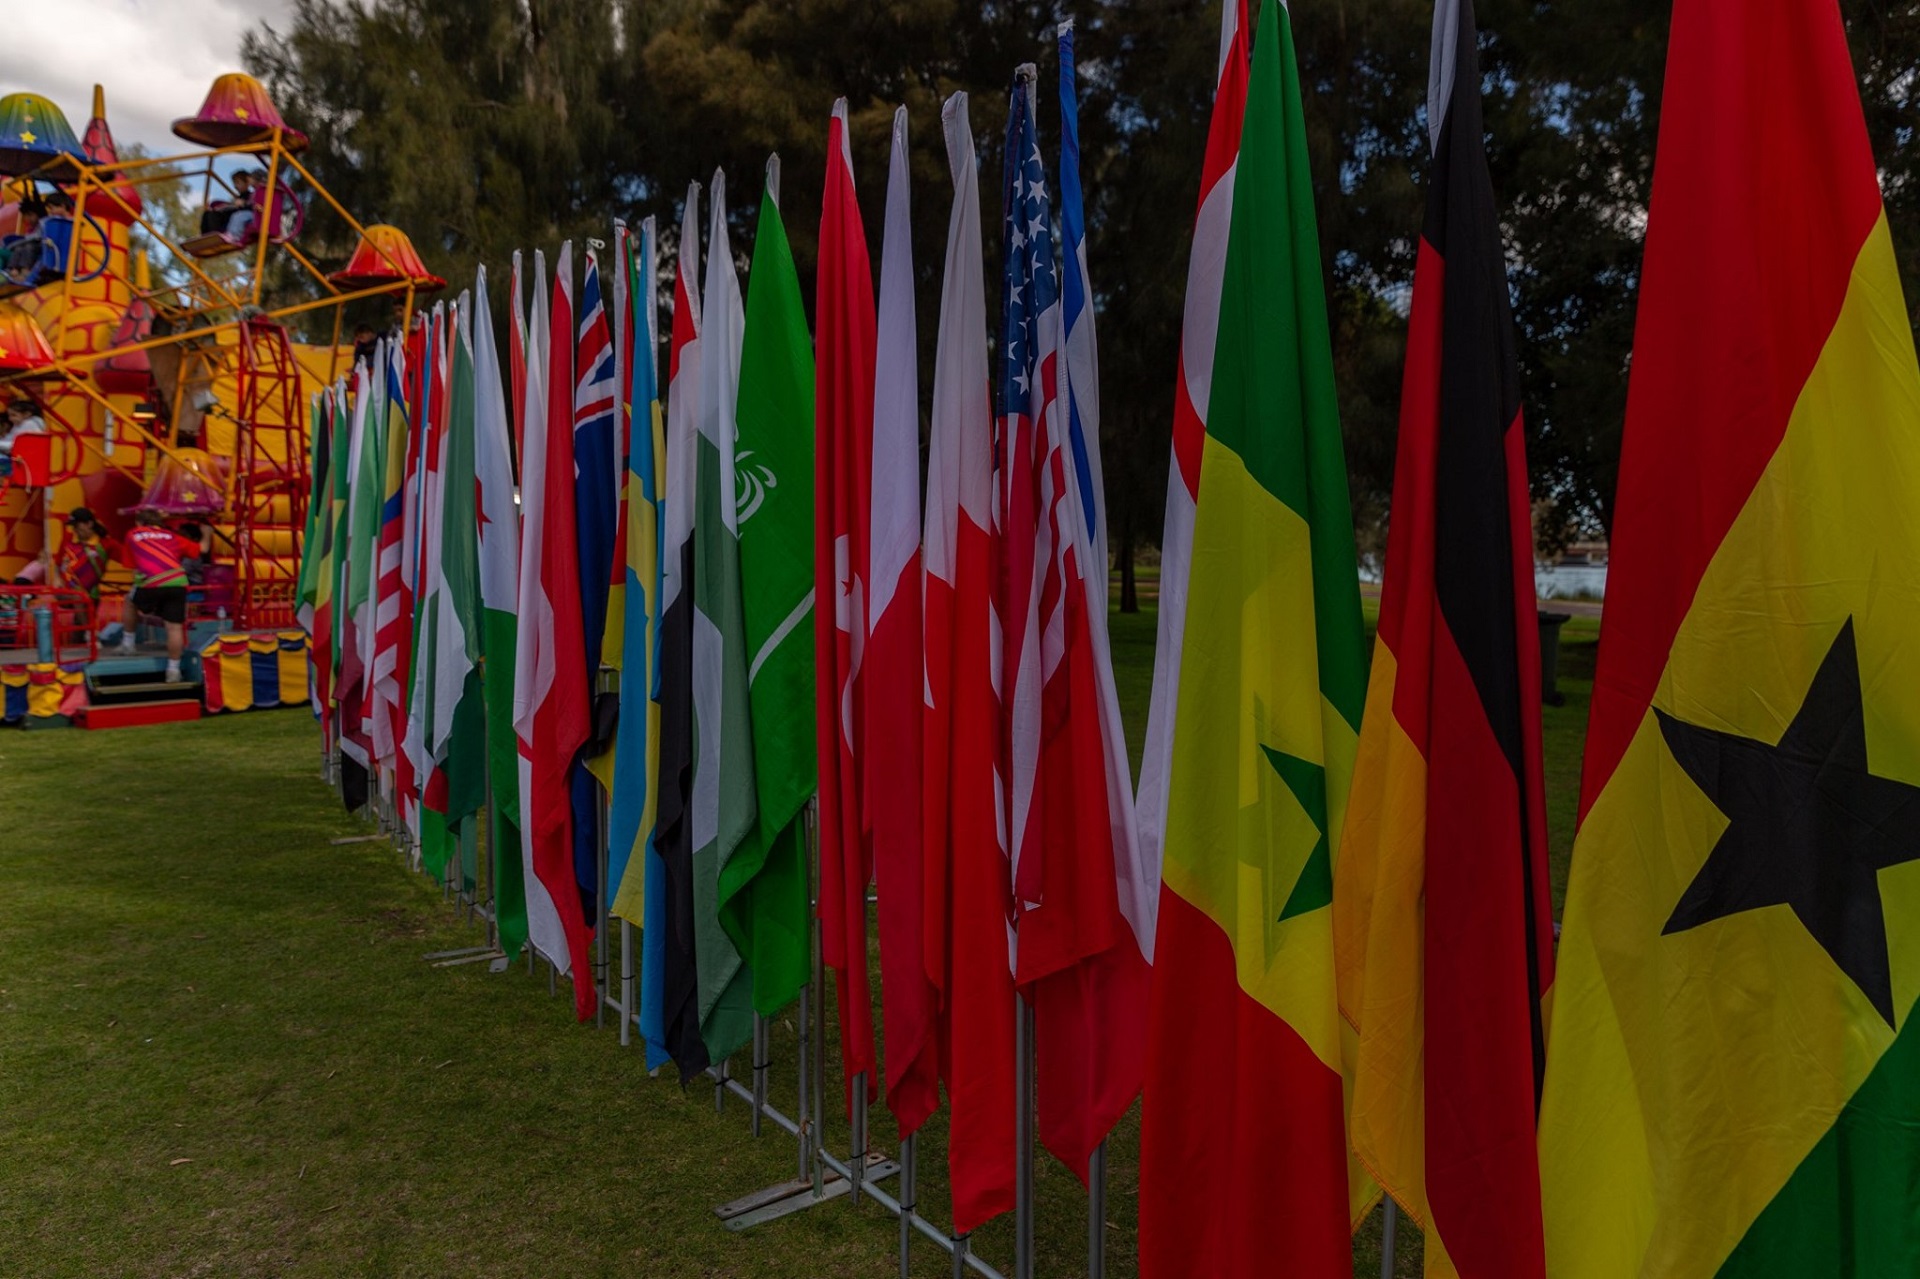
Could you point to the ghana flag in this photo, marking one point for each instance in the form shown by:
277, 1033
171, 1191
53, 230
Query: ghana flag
1733, 1084
1441, 917
1243, 1155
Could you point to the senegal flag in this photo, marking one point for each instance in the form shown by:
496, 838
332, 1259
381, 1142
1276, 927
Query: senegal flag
1243, 1160
1733, 1074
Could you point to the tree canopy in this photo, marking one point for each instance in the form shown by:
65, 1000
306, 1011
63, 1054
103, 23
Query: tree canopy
482, 126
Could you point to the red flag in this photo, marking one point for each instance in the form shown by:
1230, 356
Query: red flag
965, 858
843, 416
895, 672
560, 724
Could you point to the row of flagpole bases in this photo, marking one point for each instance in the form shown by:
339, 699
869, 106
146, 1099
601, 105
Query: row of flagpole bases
820, 1176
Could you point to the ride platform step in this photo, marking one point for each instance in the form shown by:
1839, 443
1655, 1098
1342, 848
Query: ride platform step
139, 714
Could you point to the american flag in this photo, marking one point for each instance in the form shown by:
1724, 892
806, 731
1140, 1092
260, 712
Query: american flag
1075, 955
1030, 474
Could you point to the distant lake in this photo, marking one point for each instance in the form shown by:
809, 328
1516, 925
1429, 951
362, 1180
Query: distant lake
1570, 581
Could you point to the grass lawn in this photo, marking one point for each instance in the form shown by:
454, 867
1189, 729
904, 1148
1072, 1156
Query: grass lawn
221, 1053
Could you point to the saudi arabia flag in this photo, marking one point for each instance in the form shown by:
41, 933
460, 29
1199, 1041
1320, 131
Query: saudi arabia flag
1246, 1059
723, 794
763, 885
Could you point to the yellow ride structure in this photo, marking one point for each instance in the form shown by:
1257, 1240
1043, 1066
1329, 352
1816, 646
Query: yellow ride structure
156, 357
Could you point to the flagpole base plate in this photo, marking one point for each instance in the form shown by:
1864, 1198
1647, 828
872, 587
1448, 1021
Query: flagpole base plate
783, 1199
454, 958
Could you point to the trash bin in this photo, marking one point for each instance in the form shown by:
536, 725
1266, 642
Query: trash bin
1550, 624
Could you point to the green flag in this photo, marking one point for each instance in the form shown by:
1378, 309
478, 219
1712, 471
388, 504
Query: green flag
763, 885
456, 740
724, 807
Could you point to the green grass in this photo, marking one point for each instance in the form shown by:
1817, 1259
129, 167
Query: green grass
222, 1054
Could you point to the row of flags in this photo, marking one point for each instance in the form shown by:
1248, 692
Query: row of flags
1316, 939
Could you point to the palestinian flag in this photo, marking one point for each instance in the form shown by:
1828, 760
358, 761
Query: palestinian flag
763, 886
670, 1000
1731, 1087
1243, 1153
1442, 923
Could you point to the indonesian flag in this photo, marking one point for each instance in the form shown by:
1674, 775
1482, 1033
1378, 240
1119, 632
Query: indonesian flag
843, 420
549, 690
967, 902
895, 671
1192, 390
1076, 954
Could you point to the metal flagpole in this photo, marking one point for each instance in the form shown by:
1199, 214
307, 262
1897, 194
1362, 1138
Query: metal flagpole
1023, 1140
1097, 1212
1389, 1228
819, 1068
759, 1071
858, 1163
720, 1076
600, 966
626, 983
807, 1115
909, 1199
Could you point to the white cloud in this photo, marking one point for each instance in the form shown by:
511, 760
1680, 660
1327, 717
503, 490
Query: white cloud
155, 57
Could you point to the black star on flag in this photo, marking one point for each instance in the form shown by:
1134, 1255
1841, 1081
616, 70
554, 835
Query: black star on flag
1808, 826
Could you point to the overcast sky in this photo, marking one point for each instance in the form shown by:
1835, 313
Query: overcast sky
155, 57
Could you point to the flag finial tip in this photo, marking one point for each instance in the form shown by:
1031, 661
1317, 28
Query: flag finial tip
1026, 73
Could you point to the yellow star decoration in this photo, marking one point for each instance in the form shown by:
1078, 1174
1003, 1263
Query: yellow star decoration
26, 137
240, 112
4, 353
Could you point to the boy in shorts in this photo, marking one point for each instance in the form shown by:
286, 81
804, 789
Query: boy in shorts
157, 556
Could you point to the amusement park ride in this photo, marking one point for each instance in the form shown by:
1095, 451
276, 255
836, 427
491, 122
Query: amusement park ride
165, 368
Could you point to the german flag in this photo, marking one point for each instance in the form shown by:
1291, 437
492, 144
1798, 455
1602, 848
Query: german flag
1734, 1076
1442, 933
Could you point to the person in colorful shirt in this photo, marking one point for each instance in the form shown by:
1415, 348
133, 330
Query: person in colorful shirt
85, 553
157, 556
